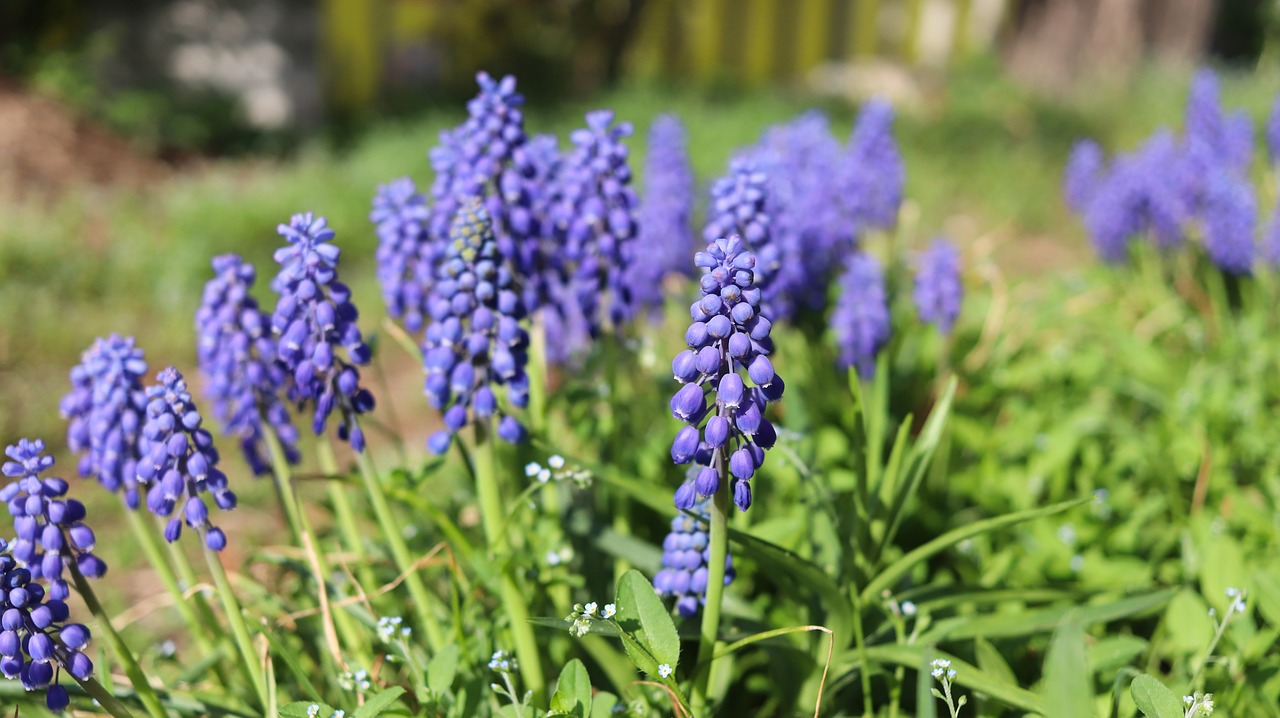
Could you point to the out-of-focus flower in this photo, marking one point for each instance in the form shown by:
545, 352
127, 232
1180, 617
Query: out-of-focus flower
406, 254
861, 315
938, 290
665, 214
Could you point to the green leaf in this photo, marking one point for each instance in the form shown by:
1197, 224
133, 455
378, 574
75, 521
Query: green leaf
1154, 699
1187, 623
1067, 690
1110, 653
896, 570
298, 709
990, 660
926, 704
573, 691
442, 669
641, 614
602, 705
967, 675
378, 703
773, 558
1043, 620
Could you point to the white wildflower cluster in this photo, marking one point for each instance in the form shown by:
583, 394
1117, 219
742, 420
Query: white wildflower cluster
1198, 705
390, 627
313, 711
582, 616
502, 662
941, 670
664, 670
560, 556
1237, 597
558, 470
357, 680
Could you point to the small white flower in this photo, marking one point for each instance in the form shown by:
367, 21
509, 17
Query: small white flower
908, 608
951, 674
556, 461
532, 468
1188, 700
313, 710
339, 714
590, 609
609, 611
553, 558
664, 670
544, 475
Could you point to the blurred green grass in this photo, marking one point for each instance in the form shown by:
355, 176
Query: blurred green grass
134, 261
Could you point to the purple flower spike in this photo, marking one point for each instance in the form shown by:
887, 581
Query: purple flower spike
104, 413
873, 178
728, 335
861, 318
938, 289
313, 317
36, 637
179, 463
1230, 216
406, 254
685, 553
1084, 170
739, 206
475, 341
665, 215
237, 353
593, 217
49, 527
1273, 132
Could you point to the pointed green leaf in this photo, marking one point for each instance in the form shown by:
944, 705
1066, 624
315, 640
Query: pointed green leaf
573, 691
773, 558
927, 705
1154, 699
1043, 620
442, 669
378, 703
642, 614
298, 709
990, 660
602, 705
1067, 690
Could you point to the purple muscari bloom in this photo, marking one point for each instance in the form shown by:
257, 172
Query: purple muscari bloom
237, 353
1214, 138
593, 217
1273, 132
1147, 192
938, 289
487, 157
873, 176
104, 412
685, 553
179, 463
475, 342
1085, 168
861, 317
1230, 216
739, 207
800, 158
406, 254
36, 638
728, 334
666, 212
50, 528
314, 316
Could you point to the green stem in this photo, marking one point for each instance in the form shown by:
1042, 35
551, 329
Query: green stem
864, 673
306, 537
422, 599
105, 700
538, 377
146, 693
513, 600
710, 630
342, 512
239, 630
199, 627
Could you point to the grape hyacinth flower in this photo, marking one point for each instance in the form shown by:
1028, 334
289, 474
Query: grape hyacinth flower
179, 462
873, 172
1147, 192
50, 528
728, 333
593, 216
685, 553
1085, 168
475, 340
313, 316
487, 157
938, 290
237, 355
861, 316
666, 211
1214, 138
739, 206
1273, 132
406, 254
1230, 215
35, 636
104, 413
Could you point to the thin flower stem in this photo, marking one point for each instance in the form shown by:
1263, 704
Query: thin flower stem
199, 628
239, 630
513, 601
538, 376
305, 534
342, 512
864, 674
105, 700
718, 540
146, 694
422, 599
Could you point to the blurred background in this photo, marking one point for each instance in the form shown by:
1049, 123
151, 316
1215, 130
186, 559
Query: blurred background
139, 139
